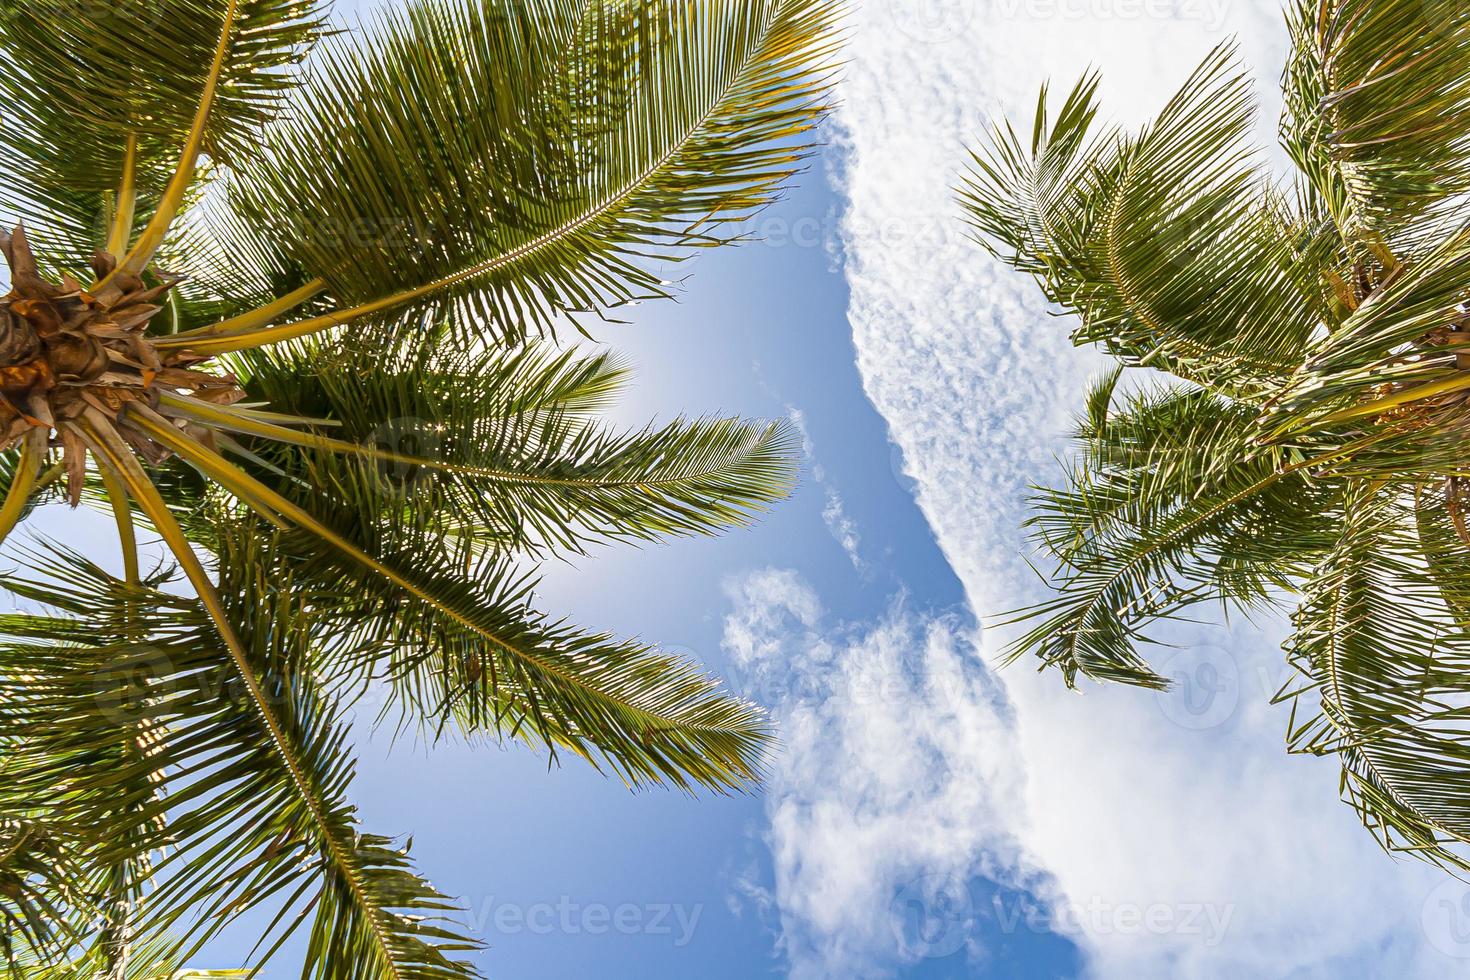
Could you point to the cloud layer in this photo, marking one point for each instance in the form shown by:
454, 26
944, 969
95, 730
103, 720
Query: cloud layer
1130, 800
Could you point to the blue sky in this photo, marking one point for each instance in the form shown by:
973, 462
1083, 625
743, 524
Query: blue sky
928, 816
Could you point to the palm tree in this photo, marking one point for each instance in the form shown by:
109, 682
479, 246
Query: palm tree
1310, 442
278, 294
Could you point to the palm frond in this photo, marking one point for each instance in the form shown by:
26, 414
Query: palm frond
1388, 665
238, 812
1168, 244
465, 651
653, 718
79, 90
45, 882
499, 446
149, 961
1378, 110
1392, 371
1169, 505
657, 126
1443, 525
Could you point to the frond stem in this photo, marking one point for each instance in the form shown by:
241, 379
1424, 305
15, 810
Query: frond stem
236, 421
127, 202
142, 252
245, 322
32, 454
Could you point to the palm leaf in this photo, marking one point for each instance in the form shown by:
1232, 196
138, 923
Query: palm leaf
254, 792
109, 94
1378, 110
652, 717
1388, 664
499, 444
1169, 506
658, 125
1168, 244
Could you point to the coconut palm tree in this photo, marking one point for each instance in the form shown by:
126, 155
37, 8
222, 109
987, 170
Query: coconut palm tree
1309, 441
284, 295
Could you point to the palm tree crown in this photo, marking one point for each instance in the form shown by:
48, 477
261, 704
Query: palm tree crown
276, 291
1313, 442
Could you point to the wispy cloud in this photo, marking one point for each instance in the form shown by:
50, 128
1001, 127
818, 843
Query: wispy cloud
844, 529
1167, 835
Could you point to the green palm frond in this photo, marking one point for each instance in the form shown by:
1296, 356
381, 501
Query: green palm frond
1168, 506
242, 799
1397, 353
469, 649
1167, 242
102, 96
1317, 450
466, 651
88, 969
659, 126
1390, 669
500, 443
1378, 110
1443, 521
147, 961
43, 878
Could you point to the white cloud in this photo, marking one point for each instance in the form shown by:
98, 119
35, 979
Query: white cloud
893, 772
1169, 835
844, 529
1128, 799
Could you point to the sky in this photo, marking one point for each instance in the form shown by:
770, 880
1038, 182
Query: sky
929, 815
